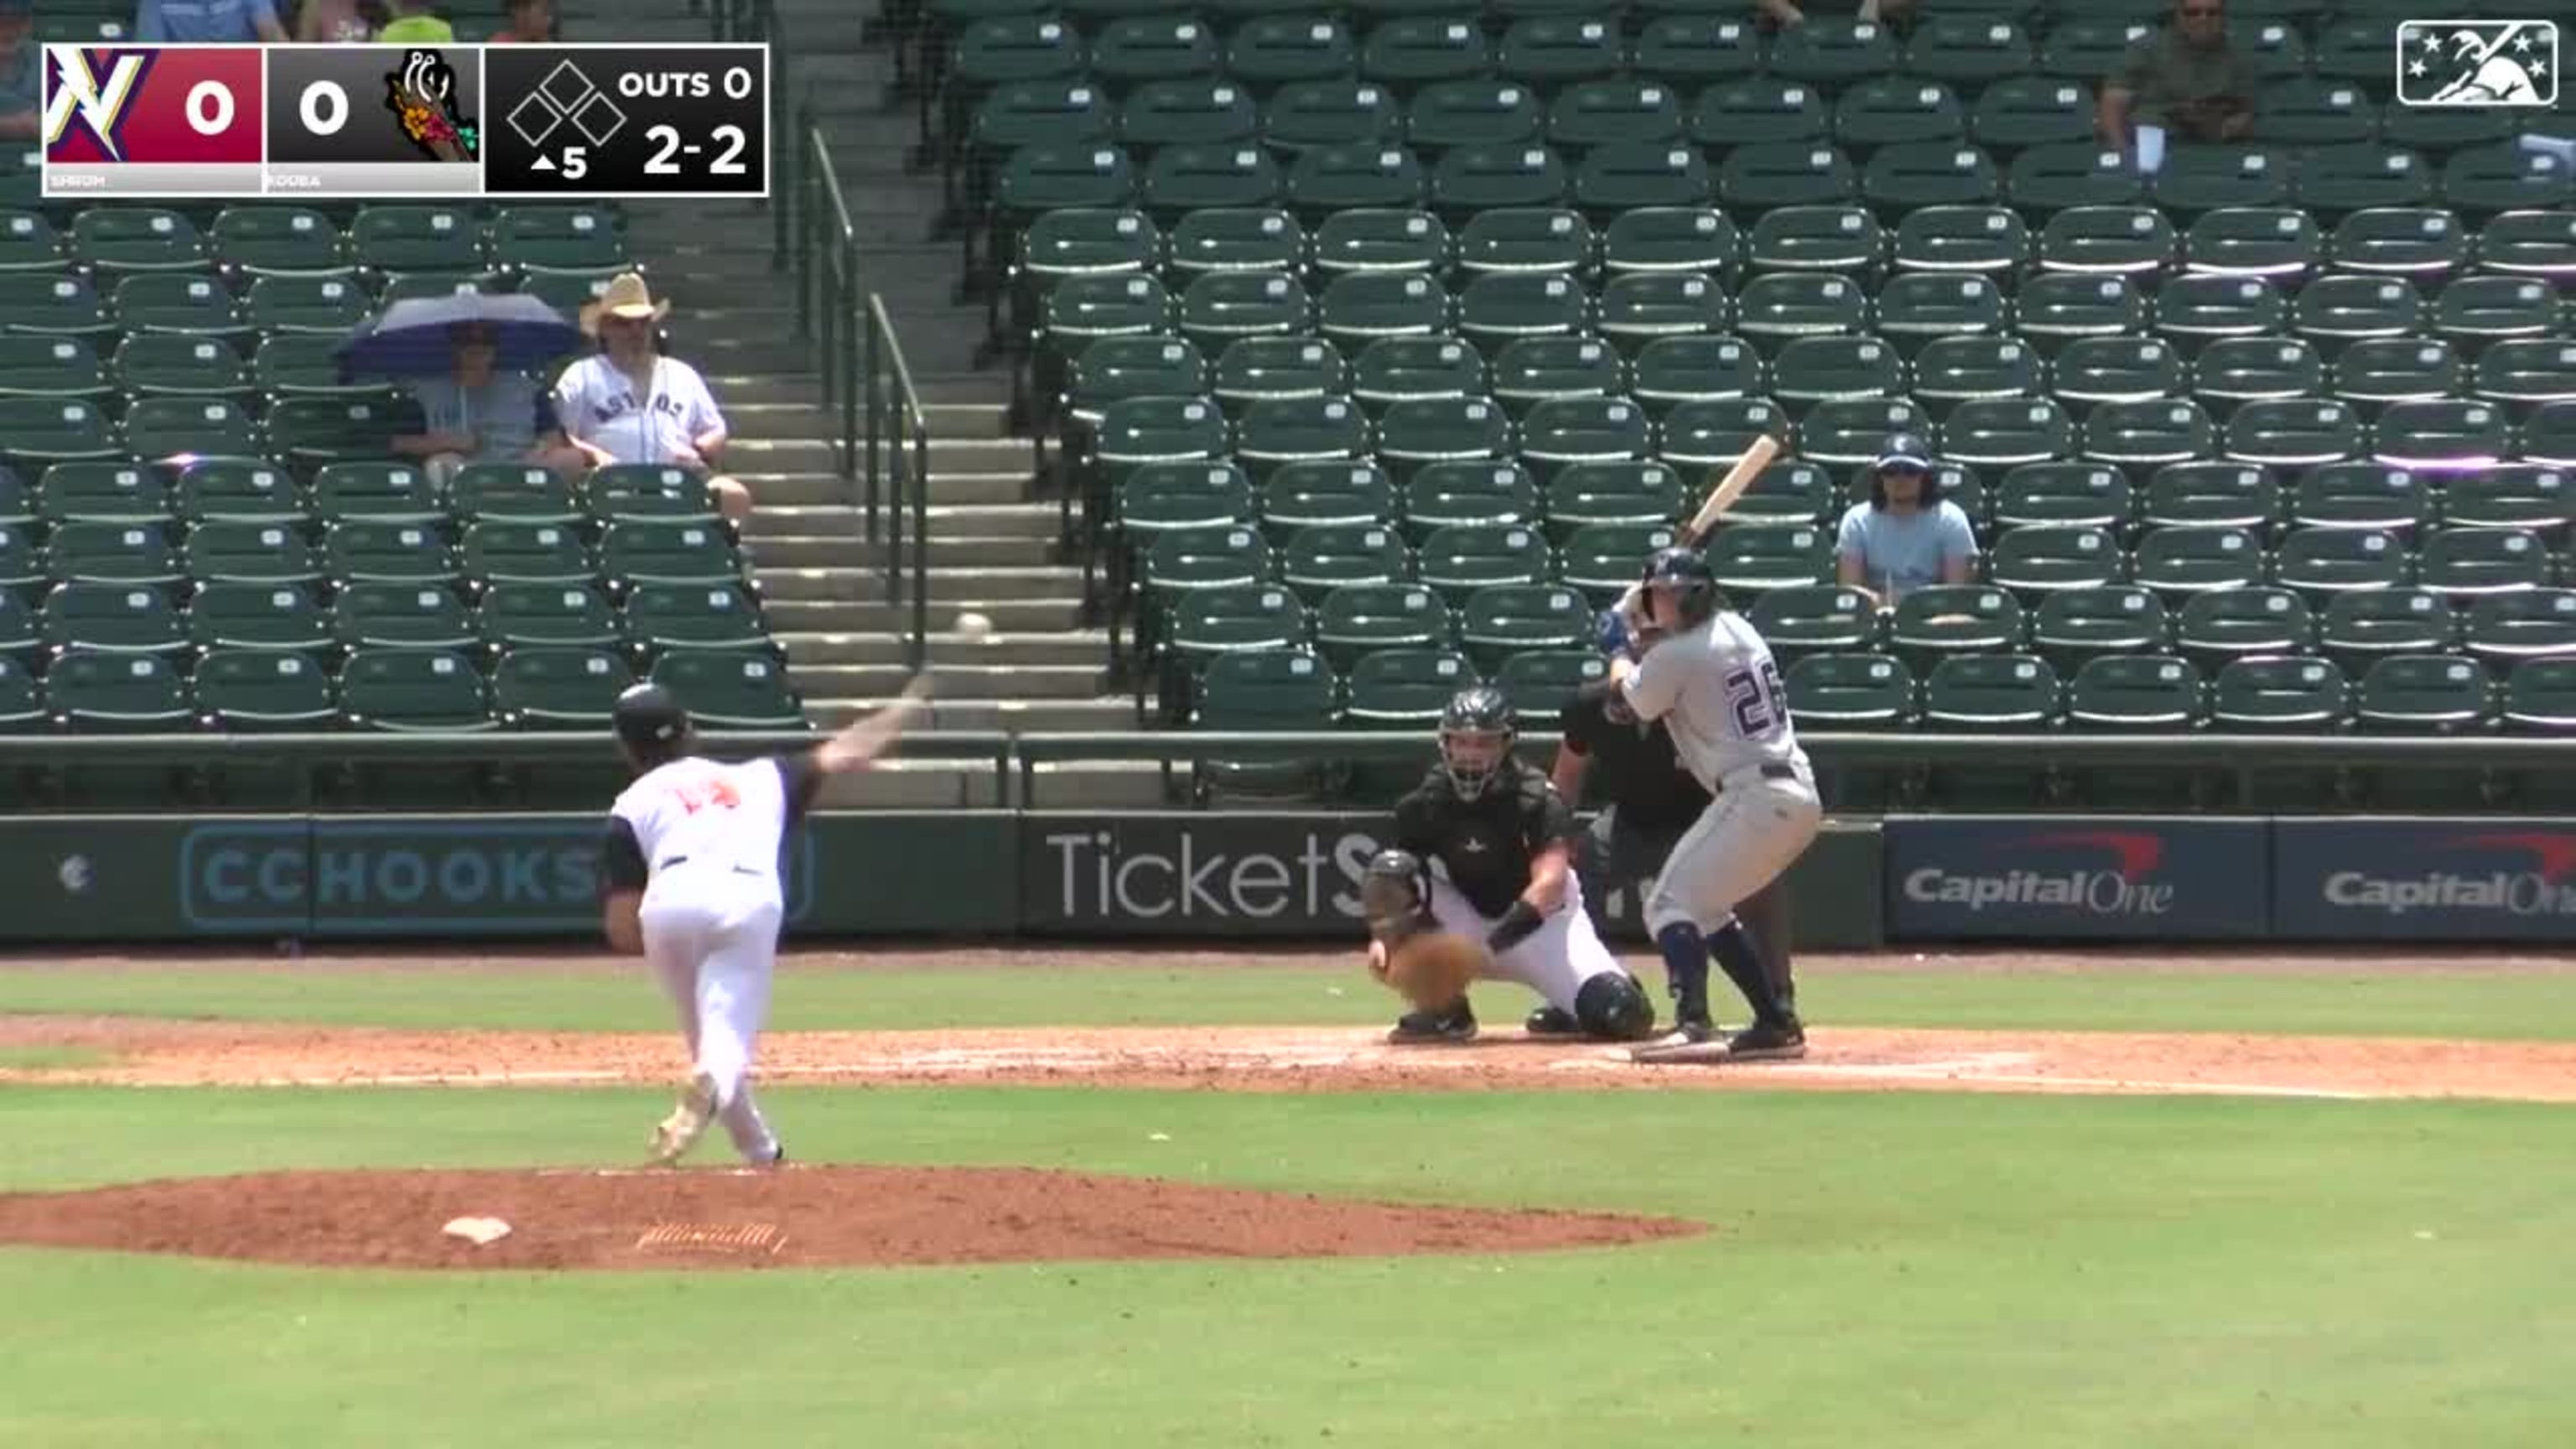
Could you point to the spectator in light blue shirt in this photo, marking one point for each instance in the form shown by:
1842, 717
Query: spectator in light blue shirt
1907, 536
209, 22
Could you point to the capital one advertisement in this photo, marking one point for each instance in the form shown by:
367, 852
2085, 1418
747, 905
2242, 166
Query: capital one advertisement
1966, 878
2425, 880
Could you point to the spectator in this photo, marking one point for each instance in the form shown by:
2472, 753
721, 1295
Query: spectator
22, 74
1907, 536
1787, 14
331, 22
414, 24
2186, 79
532, 22
209, 22
628, 403
478, 415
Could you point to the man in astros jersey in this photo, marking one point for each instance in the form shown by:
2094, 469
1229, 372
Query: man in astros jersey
1712, 681
690, 874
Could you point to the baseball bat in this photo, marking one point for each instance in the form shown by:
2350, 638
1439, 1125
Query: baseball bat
1730, 488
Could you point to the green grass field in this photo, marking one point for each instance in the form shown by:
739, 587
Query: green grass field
1899, 1269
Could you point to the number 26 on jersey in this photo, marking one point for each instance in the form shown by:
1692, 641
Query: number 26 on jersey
1759, 700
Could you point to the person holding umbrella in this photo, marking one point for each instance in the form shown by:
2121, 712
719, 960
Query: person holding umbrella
469, 360
628, 403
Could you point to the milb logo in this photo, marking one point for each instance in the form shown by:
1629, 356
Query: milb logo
2121, 886
2540, 888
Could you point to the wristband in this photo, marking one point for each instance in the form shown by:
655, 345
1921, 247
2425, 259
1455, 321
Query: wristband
1518, 924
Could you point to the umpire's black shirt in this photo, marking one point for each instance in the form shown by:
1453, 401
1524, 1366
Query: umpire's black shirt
1634, 768
1487, 842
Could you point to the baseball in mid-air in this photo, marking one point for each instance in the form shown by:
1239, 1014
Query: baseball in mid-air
974, 628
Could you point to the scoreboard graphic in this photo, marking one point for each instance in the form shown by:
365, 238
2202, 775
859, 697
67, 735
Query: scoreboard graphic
359, 122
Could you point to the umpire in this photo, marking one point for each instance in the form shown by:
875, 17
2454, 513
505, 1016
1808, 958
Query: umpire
1647, 801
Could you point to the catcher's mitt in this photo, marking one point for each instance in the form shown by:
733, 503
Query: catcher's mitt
1431, 969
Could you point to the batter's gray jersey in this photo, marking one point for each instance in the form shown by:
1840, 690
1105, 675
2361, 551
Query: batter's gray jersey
1719, 693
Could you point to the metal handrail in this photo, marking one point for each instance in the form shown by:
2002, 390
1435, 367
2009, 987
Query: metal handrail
893, 402
827, 287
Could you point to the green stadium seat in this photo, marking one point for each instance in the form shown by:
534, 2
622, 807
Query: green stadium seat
2392, 369
1424, 430
1603, 559
1474, 111
2337, 181
566, 240
413, 690
2292, 432
1395, 370
2346, 308
1290, 430
2480, 309
732, 690
2020, 112
1461, 558
376, 492
2044, 558
22, 708
300, 364
2210, 177
110, 240
2424, 242
1366, 176
422, 614
1958, 369
416, 286
17, 501
2323, 562
1962, 238
1831, 50
1208, 623
2437, 131
530, 494
301, 304
2237, 495
1561, 49
190, 304
2062, 494
502, 551
2117, 369
2466, 562
2303, 111
189, 427
1640, 308
29, 243
1753, 559
2219, 625
2419, 694
2062, 175
561, 613
104, 552
2528, 243
1930, 173
2511, 628
20, 632
121, 618
95, 692
1759, 175
1540, 682
1991, 694
1695, 436
1851, 432
1787, 490
1614, 491
1079, 176
1535, 369
1270, 369
1332, 112
372, 551
1215, 174
1468, 492
1510, 236
1632, 110
1219, 307
273, 552
1359, 618
1403, 689
1499, 307
2445, 434
1137, 48
1363, 308
1087, 241
2197, 308
35, 432
2352, 45
50, 367
1829, 238
257, 616
2279, 695
1969, 49
1801, 619
2540, 699
1627, 176
2363, 626
2549, 434
2254, 241
1650, 239
2118, 239
103, 492
47, 305
1281, 689
1236, 239
2149, 432
1301, 495
2141, 693
2361, 495
1698, 47
2188, 559
667, 551
21, 563
423, 238
1755, 110
1888, 110
2526, 496
2525, 370
2501, 176
314, 432
555, 688
2001, 432
1186, 110
1782, 305
2056, 306
263, 689
1189, 494
1496, 623
1081, 310
1412, 51
1850, 691
1672, 370
1815, 369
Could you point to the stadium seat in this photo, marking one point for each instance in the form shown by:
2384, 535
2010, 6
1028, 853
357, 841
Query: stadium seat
2471, 561
1467, 491
2230, 494
22, 708
2117, 369
1413, 51
1618, 177
2188, 559
1638, 309
556, 688
2210, 177
2044, 558
1190, 494
1393, 371
2001, 432
95, 692
2222, 624
2197, 308
1495, 623
2300, 111
1850, 691
2527, 496
190, 427
1888, 110
2149, 432
1782, 305
1673, 370
1215, 174
1420, 431
2293, 432
369, 551
2549, 434
1269, 689
29, 243
1930, 173
194, 305
1514, 178
1669, 239
2116, 240
1833, 51
2540, 699
564, 240
373, 492
1802, 619
1758, 175
1963, 238
1817, 369
1698, 46
257, 616
1336, 178
2424, 694
1752, 559
1959, 369
1463, 557
1337, 111
561, 613
1617, 491
2254, 241
2443, 434
528, 494
1635, 110
1563, 432
2336, 181
416, 238
313, 432
2363, 626
2055, 307
401, 615
243, 552
2273, 694
117, 553
1991, 693
1322, 557
2360, 495
1290, 430
1787, 490
1177, 111
2528, 243
35, 432
2322, 562
2479, 309
1235, 239
102, 492
1713, 434
503, 551
1356, 619
1540, 682
1535, 369
2017, 113
1943, 620
48, 305
263, 689
2087, 495
657, 617
21, 562
302, 304
113, 240
413, 690
2134, 693
2527, 370
2393, 369
2058, 175
2501, 176
300, 364
1301, 495
1207, 623
2507, 629
2420, 242
731, 690
1914, 306
1114, 369
124, 618
164, 363
1499, 307
1363, 308
1755, 110
51, 367
1256, 369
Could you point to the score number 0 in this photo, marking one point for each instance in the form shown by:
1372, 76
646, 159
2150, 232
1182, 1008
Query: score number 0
319, 97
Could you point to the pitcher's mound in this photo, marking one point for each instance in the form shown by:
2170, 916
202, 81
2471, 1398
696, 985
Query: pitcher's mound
791, 1217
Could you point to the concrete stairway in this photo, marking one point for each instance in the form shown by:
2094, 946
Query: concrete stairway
993, 538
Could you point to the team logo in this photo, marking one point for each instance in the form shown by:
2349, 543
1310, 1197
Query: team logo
2477, 63
87, 92
422, 96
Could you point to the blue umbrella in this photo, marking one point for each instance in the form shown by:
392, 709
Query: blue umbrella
410, 338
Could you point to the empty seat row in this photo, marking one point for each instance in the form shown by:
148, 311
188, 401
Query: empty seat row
270, 239
254, 490
489, 550
72, 304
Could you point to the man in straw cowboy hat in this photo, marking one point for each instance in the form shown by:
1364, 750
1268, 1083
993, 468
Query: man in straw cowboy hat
630, 404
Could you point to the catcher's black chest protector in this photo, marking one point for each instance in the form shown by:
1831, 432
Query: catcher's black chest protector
1486, 843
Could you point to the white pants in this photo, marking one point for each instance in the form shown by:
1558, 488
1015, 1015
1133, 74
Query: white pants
712, 937
1554, 961
1755, 829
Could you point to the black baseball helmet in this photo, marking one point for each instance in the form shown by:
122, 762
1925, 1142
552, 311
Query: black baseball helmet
650, 720
1476, 734
1686, 571
1909, 455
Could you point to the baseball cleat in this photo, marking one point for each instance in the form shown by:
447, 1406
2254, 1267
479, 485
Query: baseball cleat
687, 1123
1431, 1028
1552, 1021
1784, 1041
1691, 1039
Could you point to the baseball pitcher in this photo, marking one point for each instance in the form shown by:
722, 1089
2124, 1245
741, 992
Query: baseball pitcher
1712, 681
1497, 828
690, 871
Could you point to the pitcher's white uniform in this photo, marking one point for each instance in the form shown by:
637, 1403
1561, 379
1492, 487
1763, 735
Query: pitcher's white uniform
704, 841
1718, 691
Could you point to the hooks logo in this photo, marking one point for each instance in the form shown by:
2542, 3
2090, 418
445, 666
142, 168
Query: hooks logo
422, 96
2477, 63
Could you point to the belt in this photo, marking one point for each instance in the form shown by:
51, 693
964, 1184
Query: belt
1775, 770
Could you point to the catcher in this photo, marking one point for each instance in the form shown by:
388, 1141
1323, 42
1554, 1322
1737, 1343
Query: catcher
1511, 907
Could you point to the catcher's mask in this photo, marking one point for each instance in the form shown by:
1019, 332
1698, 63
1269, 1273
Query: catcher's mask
1476, 734
1685, 574
1395, 890
651, 725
